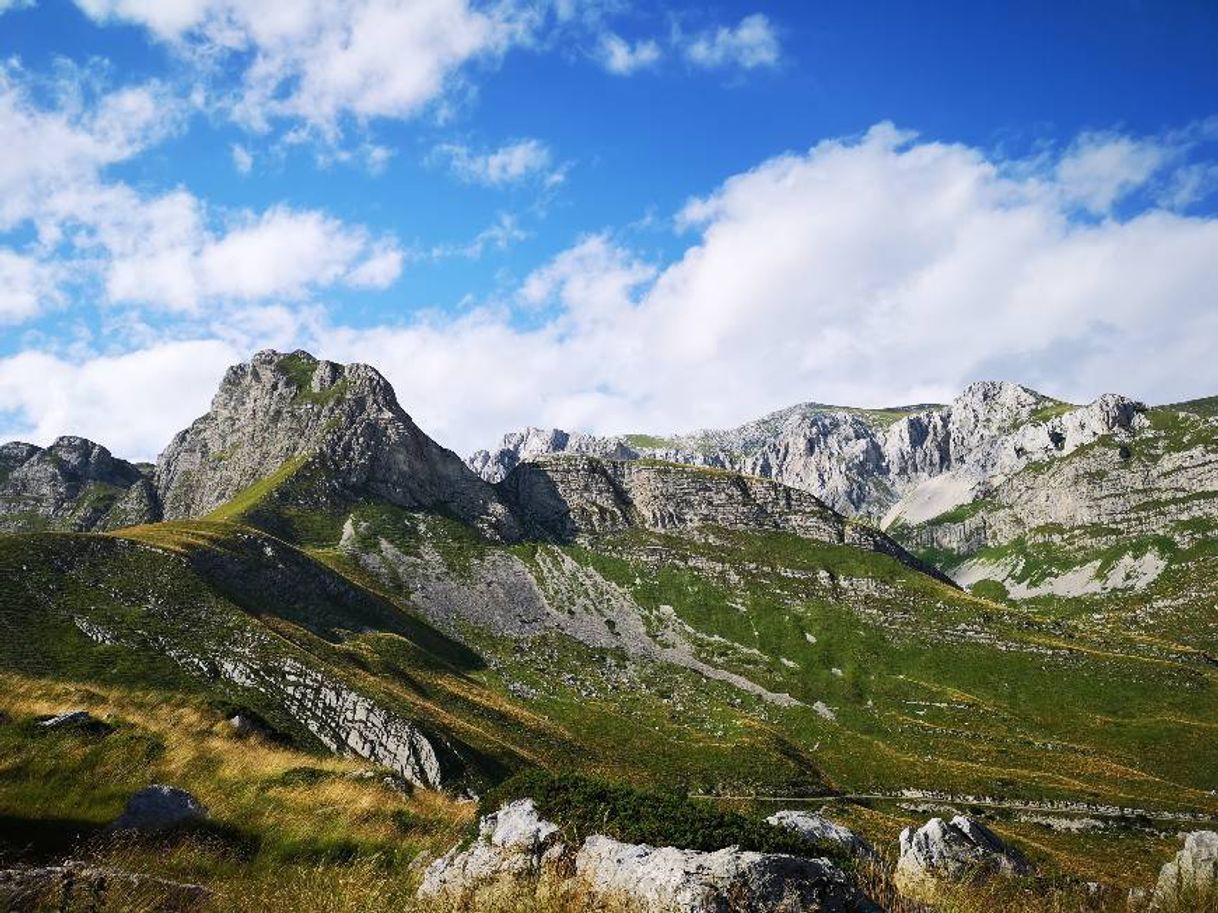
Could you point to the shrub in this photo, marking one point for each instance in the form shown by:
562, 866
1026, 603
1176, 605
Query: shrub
582, 806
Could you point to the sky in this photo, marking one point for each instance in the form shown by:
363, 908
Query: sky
602, 215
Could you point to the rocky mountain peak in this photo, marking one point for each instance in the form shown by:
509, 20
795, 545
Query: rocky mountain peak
74, 484
280, 411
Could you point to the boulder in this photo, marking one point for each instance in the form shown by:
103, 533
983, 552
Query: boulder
817, 827
78, 719
670, 880
513, 842
1191, 876
77, 886
243, 724
952, 851
158, 808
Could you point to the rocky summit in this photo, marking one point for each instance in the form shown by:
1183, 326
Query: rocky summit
709, 671
987, 487
281, 416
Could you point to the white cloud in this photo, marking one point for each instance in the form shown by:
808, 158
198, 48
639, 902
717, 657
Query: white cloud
125, 402
509, 164
7, 5
50, 155
752, 43
319, 61
26, 285
169, 250
1100, 168
380, 269
870, 271
622, 58
874, 271
500, 235
243, 159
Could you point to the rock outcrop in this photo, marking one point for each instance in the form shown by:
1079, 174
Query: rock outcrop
340, 427
963, 848
817, 827
671, 880
80, 720
866, 463
1190, 878
514, 842
74, 485
560, 498
159, 808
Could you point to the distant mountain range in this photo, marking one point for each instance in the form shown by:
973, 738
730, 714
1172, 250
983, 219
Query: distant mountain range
827, 600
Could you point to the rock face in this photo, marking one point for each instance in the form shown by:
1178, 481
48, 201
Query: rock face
158, 808
516, 842
818, 827
560, 498
292, 413
999, 463
521, 446
513, 842
1192, 876
670, 880
951, 851
866, 463
78, 719
74, 485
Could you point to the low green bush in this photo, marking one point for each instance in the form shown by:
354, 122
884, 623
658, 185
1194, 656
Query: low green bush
582, 806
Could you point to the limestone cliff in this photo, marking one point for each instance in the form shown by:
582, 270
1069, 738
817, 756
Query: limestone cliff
74, 485
560, 498
289, 410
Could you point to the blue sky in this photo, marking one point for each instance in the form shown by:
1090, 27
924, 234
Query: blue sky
601, 214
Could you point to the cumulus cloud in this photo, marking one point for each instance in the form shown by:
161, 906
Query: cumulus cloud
873, 270
869, 271
319, 61
168, 250
125, 402
752, 43
620, 57
25, 286
1101, 168
509, 164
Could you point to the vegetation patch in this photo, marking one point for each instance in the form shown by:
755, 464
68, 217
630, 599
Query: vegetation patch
583, 806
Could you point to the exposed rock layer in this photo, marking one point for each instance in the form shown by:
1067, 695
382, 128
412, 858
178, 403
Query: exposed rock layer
74, 485
294, 411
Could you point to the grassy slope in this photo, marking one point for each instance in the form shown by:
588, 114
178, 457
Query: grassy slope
932, 689
284, 825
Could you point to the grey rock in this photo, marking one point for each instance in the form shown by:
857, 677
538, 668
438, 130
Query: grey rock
339, 425
950, 851
1025, 459
1192, 877
158, 808
243, 725
816, 826
561, 498
514, 842
78, 886
74, 485
78, 719
670, 880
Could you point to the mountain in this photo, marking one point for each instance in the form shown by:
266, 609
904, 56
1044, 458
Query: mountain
638, 611
283, 418
73, 485
1003, 484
